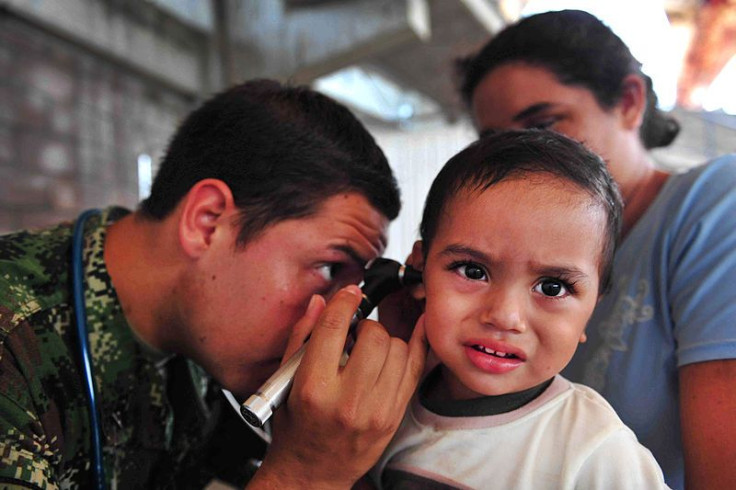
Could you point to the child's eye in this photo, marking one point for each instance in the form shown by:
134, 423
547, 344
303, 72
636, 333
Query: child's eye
470, 271
553, 288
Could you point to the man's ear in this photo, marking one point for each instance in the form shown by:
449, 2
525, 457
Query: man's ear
633, 103
206, 208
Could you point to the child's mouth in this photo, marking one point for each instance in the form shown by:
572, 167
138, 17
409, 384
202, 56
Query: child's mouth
491, 352
494, 361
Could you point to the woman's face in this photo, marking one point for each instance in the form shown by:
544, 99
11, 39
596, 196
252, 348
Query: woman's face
517, 95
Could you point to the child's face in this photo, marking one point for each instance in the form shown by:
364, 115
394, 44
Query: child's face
511, 279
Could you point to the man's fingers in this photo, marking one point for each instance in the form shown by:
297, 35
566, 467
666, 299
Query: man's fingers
368, 356
418, 348
393, 365
304, 326
327, 341
392, 375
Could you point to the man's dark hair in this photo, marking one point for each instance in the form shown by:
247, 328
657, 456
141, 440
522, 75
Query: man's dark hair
580, 50
282, 151
503, 155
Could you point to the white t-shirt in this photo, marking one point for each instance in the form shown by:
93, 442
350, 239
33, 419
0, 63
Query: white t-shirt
567, 438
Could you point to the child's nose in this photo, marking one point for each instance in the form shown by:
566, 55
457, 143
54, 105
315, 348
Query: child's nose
504, 310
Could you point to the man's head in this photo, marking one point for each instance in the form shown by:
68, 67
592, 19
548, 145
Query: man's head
270, 195
281, 150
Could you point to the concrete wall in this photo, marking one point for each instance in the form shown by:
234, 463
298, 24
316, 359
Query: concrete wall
89, 85
134, 33
72, 125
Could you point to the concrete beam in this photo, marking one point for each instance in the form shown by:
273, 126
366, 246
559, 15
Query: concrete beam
137, 35
458, 28
300, 44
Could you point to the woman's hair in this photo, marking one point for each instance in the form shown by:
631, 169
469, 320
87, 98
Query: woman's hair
504, 155
580, 50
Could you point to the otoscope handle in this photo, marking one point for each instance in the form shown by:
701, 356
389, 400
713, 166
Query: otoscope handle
259, 407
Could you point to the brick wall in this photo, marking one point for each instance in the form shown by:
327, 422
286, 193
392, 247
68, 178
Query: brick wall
72, 125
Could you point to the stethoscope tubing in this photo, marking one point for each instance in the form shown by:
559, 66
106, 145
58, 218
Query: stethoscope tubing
80, 314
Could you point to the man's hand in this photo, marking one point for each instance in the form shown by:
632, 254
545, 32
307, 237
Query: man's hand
338, 420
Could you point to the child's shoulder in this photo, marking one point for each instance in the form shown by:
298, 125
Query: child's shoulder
585, 405
608, 448
587, 395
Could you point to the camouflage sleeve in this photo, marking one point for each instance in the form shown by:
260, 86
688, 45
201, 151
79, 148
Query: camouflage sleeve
26, 453
22, 462
16, 486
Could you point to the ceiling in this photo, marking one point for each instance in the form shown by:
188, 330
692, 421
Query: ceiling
412, 43
198, 47
415, 43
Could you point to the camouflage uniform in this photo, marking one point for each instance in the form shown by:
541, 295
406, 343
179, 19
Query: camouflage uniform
156, 414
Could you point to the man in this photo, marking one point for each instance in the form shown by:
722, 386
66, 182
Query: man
269, 201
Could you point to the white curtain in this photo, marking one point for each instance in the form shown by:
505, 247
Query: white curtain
416, 155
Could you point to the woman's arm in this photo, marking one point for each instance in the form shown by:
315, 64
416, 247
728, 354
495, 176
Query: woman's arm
708, 420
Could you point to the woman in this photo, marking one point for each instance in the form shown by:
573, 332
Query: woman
662, 344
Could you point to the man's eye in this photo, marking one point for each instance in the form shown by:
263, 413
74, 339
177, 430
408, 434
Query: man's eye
329, 271
552, 288
471, 271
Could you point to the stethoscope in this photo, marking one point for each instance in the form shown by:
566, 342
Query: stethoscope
82, 335
86, 357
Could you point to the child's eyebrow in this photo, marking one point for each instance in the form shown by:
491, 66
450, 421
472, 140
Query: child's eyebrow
569, 272
463, 250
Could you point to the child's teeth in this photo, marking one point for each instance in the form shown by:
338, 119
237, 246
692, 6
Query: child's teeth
492, 352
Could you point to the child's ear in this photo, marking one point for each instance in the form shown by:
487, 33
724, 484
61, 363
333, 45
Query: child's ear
416, 257
416, 260
206, 208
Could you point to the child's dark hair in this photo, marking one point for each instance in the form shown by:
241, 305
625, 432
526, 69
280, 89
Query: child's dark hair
499, 156
580, 50
281, 150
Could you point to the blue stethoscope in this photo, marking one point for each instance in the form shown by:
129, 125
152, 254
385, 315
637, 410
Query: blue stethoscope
85, 355
81, 323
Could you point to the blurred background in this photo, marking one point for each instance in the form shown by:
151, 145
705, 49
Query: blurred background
92, 89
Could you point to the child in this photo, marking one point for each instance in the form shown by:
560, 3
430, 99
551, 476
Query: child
518, 236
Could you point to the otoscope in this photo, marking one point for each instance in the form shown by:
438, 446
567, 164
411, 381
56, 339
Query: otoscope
382, 277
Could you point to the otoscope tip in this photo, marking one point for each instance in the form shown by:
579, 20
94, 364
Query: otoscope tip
412, 276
